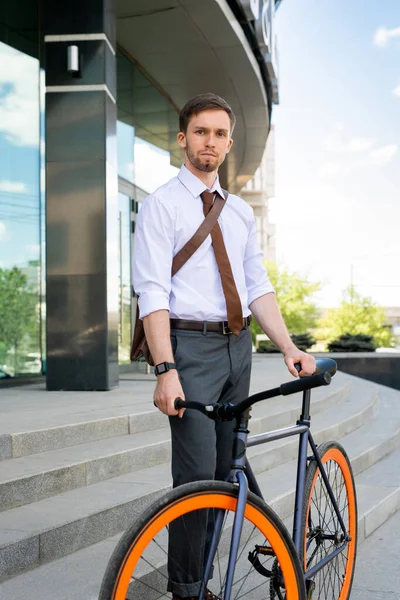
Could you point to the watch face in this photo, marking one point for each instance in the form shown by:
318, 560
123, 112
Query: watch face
161, 368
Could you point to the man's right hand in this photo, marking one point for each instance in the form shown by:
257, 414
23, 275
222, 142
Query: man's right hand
167, 390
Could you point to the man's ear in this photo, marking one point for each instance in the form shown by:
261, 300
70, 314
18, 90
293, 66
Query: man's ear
181, 139
229, 145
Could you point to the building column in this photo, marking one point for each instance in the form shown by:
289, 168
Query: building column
81, 195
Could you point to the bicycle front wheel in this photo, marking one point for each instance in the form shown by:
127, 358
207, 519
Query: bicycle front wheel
142, 564
322, 531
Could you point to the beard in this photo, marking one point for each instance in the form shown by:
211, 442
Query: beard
203, 164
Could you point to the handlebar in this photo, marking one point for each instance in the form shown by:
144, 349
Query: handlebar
326, 368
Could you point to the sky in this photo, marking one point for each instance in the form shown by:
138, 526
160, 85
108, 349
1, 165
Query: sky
337, 205
20, 149
337, 202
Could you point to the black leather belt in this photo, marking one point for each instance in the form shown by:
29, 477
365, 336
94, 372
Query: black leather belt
204, 326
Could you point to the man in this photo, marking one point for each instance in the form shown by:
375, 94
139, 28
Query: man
188, 318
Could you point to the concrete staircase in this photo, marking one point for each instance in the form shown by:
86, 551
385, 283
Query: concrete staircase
78, 468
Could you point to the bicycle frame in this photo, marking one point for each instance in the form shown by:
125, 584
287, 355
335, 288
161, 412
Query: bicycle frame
241, 470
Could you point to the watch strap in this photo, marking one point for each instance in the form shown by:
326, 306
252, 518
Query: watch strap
164, 367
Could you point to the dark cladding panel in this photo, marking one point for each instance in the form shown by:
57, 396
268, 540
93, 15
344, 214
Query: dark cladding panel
81, 189
76, 226
79, 16
75, 126
77, 355
96, 62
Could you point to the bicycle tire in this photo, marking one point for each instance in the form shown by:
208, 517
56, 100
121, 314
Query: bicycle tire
124, 578
319, 519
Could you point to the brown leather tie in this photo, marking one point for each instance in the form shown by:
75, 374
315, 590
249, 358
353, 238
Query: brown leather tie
232, 299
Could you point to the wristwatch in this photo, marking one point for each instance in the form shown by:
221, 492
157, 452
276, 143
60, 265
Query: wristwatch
164, 367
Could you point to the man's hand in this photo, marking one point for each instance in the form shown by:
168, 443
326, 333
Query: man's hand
293, 356
168, 389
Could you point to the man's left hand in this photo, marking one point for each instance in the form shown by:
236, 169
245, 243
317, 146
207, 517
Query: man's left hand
307, 362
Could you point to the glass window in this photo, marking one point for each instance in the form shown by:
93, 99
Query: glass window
124, 278
125, 146
20, 203
148, 154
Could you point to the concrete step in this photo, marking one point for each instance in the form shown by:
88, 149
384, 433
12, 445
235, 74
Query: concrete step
65, 523
78, 576
79, 426
38, 476
29, 479
74, 577
34, 420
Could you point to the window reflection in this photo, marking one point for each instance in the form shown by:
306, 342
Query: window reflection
19, 212
152, 166
124, 279
148, 154
125, 149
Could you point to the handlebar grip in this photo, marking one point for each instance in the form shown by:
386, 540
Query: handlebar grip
206, 409
179, 403
305, 383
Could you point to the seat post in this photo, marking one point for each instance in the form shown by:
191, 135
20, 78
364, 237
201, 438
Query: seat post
305, 408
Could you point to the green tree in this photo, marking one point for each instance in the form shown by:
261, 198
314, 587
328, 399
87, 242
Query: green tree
356, 315
294, 296
18, 309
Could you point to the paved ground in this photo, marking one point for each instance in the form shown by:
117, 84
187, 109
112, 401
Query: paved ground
28, 408
378, 564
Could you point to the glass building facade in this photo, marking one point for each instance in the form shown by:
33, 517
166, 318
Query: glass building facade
146, 128
82, 145
21, 190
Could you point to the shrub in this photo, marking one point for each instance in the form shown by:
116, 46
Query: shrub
303, 341
353, 343
267, 347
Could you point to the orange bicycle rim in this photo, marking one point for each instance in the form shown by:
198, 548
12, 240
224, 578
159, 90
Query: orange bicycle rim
203, 501
337, 456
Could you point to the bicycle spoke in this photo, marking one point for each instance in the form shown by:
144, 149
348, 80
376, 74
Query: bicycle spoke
324, 519
244, 579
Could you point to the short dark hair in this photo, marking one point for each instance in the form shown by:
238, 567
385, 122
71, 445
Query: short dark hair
203, 102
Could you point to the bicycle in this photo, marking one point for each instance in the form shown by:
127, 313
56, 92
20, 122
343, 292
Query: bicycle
244, 549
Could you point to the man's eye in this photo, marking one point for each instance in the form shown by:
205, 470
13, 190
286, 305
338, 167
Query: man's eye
200, 131
221, 134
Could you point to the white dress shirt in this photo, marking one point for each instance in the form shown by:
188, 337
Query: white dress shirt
167, 219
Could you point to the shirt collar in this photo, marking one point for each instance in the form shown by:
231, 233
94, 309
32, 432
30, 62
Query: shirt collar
194, 185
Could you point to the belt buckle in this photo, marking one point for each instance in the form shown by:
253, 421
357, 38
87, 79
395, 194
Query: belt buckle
225, 329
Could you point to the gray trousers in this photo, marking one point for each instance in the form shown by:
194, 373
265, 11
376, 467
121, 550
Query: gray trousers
212, 368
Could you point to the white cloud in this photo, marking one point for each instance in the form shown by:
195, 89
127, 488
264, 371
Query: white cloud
353, 153
12, 187
3, 233
330, 168
341, 143
19, 97
383, 155
33, 251
376, 158
396, 91
360, 144
383, 35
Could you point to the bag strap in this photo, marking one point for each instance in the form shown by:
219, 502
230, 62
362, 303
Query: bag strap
200, 235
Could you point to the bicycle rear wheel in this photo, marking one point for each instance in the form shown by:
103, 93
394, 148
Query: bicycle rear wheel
322, 531
138, 568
